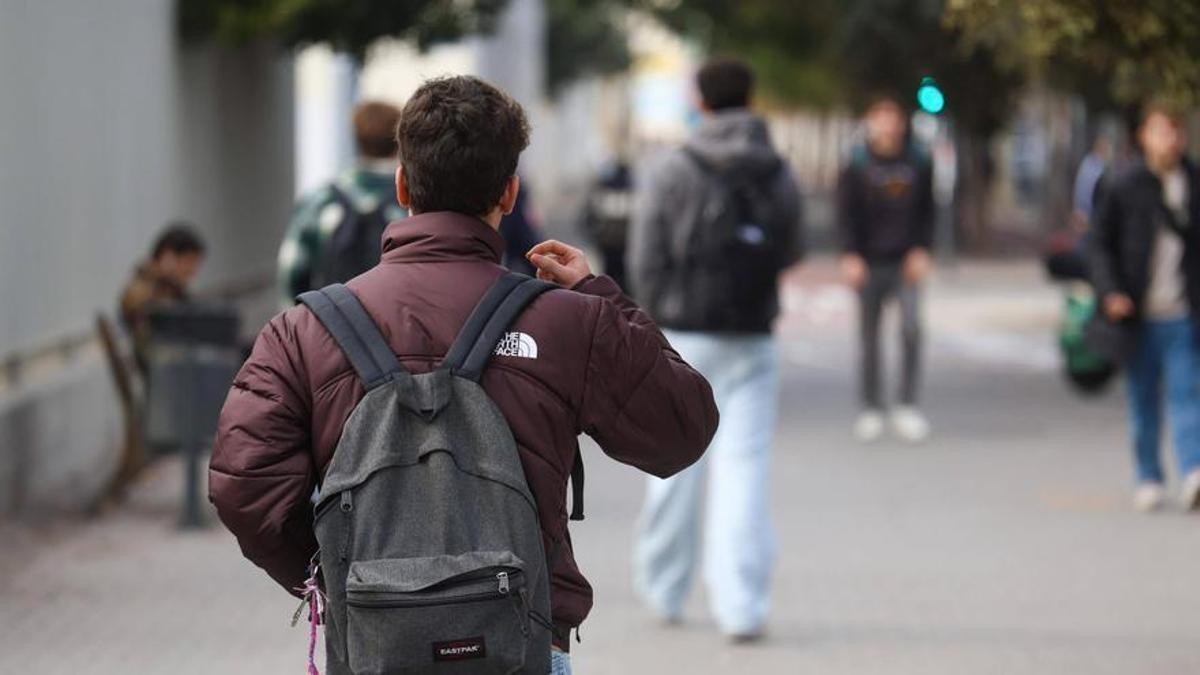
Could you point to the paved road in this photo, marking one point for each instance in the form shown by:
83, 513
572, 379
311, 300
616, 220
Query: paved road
1004, 545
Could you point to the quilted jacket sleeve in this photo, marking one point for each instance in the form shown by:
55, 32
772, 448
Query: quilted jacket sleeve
642, 403
262, 474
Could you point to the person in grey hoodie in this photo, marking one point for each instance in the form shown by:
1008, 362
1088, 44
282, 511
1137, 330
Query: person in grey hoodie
715, 224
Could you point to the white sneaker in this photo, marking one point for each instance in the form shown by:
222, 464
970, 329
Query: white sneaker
1148, 497
910, 425
1191, 491
868, 428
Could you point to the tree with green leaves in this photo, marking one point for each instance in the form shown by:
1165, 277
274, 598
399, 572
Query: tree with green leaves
829, 52
583, 37
349, 26
788, 43
1149, 48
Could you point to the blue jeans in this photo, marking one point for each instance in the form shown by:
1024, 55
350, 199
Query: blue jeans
560, 663
1167, 351
739, 540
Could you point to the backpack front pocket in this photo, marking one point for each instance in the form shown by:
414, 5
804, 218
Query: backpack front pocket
465, 613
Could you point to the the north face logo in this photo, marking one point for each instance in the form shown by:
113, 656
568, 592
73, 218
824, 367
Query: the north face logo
520, 345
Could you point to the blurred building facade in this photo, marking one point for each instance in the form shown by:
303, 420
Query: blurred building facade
109, 127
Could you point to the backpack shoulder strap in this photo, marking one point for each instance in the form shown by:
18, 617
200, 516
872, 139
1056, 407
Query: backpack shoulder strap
339, 196
340, 312
500, 306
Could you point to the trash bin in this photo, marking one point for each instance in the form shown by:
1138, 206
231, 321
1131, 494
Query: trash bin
193, 357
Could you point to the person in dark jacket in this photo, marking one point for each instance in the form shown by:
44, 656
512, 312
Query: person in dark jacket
719, 302
522, 231
885, 217
1145, 266
606, 215
594, 362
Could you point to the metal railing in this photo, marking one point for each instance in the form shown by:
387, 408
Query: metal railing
20, 366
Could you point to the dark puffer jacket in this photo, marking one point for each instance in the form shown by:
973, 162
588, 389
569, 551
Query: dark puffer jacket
602, 368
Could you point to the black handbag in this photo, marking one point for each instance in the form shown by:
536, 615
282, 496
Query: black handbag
1113, 342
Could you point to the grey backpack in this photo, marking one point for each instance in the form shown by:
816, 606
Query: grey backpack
431, 548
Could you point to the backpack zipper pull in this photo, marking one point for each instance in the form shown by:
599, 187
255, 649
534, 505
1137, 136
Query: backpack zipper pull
502, 577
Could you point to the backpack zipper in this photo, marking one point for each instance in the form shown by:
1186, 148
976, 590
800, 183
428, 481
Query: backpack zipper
346, 507
397, 603
501, 592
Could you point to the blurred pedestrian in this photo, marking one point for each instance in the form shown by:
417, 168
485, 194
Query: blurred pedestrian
886, 218
163, 278
714, 226
606, 215
522, 231
1087, 178
335, 231
373, 365
1145, 266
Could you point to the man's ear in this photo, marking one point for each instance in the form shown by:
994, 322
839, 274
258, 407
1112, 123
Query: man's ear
508, 200
402, 196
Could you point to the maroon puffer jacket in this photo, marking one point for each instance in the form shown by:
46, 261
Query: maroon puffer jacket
602, 368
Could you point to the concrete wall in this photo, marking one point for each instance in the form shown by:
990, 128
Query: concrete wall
108, 128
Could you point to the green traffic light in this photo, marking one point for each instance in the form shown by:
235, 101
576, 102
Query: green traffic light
930, 97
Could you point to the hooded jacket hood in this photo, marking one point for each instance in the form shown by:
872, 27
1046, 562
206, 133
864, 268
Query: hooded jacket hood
735, 140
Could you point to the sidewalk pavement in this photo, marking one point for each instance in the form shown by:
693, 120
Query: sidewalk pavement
1003, 545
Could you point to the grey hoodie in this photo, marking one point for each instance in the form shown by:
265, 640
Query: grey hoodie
674, 192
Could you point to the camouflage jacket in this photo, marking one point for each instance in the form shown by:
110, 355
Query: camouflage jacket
317, 216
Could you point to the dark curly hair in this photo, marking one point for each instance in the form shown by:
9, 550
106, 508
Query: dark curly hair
178, 237
460, 139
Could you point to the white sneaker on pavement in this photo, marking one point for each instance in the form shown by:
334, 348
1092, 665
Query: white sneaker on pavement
910, 425
868, 428
1149, 497
1191, 491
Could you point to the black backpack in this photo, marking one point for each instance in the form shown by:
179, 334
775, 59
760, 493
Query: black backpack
354, 247
735, 254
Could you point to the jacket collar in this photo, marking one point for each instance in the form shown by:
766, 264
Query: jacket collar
1142, 170
441, 236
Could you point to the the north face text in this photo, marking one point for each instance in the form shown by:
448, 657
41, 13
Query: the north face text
520, 345
460, 650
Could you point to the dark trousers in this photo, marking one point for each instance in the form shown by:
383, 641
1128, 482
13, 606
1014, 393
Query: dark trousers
884, 282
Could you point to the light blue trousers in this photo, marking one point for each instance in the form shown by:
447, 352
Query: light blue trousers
560, 663
740, 544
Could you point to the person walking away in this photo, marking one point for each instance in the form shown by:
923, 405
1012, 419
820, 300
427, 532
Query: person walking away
1145, 265
521, 231
334, 231
163, 278
885, 217
1087, 179
714, 226
578, 358
606, 216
